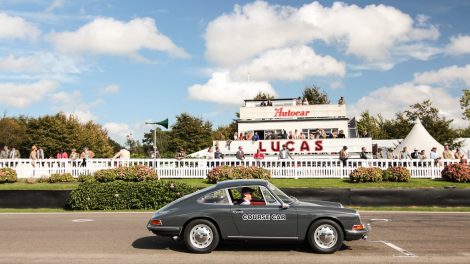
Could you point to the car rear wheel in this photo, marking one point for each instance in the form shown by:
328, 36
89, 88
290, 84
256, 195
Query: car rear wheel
325, 236
201, 236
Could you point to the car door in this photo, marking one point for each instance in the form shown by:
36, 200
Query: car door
268, 220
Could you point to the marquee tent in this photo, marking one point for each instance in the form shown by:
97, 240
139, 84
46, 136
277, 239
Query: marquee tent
419, 139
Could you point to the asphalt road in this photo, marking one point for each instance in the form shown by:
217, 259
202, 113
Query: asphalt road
122, 238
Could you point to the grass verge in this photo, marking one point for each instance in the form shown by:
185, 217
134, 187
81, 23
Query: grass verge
413, 209
281, 183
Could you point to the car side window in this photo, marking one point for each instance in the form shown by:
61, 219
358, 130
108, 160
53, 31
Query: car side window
216, 197
268, 197
257, 197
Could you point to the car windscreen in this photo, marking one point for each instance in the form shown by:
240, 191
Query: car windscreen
284, 197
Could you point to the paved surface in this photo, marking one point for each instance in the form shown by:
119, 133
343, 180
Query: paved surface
123, 238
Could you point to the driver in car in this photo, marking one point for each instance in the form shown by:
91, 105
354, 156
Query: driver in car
246, 193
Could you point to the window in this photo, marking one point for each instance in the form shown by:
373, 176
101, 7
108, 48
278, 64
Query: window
217, 197
268, 197
256, 196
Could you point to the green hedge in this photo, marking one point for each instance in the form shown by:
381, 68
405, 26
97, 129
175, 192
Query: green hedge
7, 175
130, 174
456, 172
120, 195
223, 173
61, 177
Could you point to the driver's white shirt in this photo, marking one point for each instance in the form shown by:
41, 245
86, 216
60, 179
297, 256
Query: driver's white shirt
245, 202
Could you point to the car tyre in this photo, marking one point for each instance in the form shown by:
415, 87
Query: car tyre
201, 236
325, 236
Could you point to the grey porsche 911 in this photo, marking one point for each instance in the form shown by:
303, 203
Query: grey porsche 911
255, 209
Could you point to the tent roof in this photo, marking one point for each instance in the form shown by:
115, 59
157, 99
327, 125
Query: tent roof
419, 139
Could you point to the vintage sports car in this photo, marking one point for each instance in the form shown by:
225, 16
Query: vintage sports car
254, 209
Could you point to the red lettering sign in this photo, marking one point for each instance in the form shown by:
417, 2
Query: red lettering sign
281, 113
260, 146
275, 147
304, 146
318, 145
289, 145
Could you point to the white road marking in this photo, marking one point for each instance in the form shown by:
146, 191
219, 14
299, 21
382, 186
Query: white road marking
405, 253
380, 220
82, 220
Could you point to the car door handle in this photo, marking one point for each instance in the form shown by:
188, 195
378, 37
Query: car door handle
237, 211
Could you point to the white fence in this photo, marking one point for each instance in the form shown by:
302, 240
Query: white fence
198, 168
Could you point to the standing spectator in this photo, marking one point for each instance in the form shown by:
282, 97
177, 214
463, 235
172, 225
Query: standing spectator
218, 154
235, 136
62, 154
86, 155
284, 153
415, 154
390, 153
433, 155
363, 154
33, 154
341, 101
40, 153
240, 154
343, 155
14, 154
459, 154
379, 154
305, 101
181, 154
258, 155
210, 153
4, 153
298, 101
447, 154
269, 103
404, 153
123, 154
422, 155
74, 157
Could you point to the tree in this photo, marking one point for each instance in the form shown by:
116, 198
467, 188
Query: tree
368, 125
465, 103
263, 96
190, 133
315, 96
12, 132
53, 132
162, 143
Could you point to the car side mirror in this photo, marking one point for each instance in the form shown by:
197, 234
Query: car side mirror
284, 206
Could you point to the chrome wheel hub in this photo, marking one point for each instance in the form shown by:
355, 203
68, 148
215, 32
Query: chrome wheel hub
325, 236
201, 236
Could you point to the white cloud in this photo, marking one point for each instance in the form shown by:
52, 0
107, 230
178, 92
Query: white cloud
446, 76
220, 89
72, 104
389, 100
110, 89
13, 27
55, 5
118, 131
370, 33
459, 45
25, 94
113, 37
39, 64
290, 64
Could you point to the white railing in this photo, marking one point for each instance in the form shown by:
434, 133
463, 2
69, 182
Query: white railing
198, 168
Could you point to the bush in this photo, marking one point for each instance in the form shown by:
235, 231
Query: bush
120, 195
7, 175
58, 177
456, 172
223, 173
366, 175
86, 178
129, 174
396, 174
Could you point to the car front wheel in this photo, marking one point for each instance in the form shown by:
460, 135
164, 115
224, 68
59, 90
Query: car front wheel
201, 236
325, 236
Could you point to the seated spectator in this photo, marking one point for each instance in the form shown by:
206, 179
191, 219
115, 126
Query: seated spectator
263, 103
255, 137
341, 101
269, 103
298, 101
341, 134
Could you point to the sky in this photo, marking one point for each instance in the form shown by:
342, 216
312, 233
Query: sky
124, 63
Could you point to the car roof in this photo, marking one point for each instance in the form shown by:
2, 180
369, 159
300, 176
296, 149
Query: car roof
243, 182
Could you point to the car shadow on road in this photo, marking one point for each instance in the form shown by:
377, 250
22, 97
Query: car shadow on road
164, 243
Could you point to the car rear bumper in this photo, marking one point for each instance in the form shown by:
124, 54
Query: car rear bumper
355, 234
165, 230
